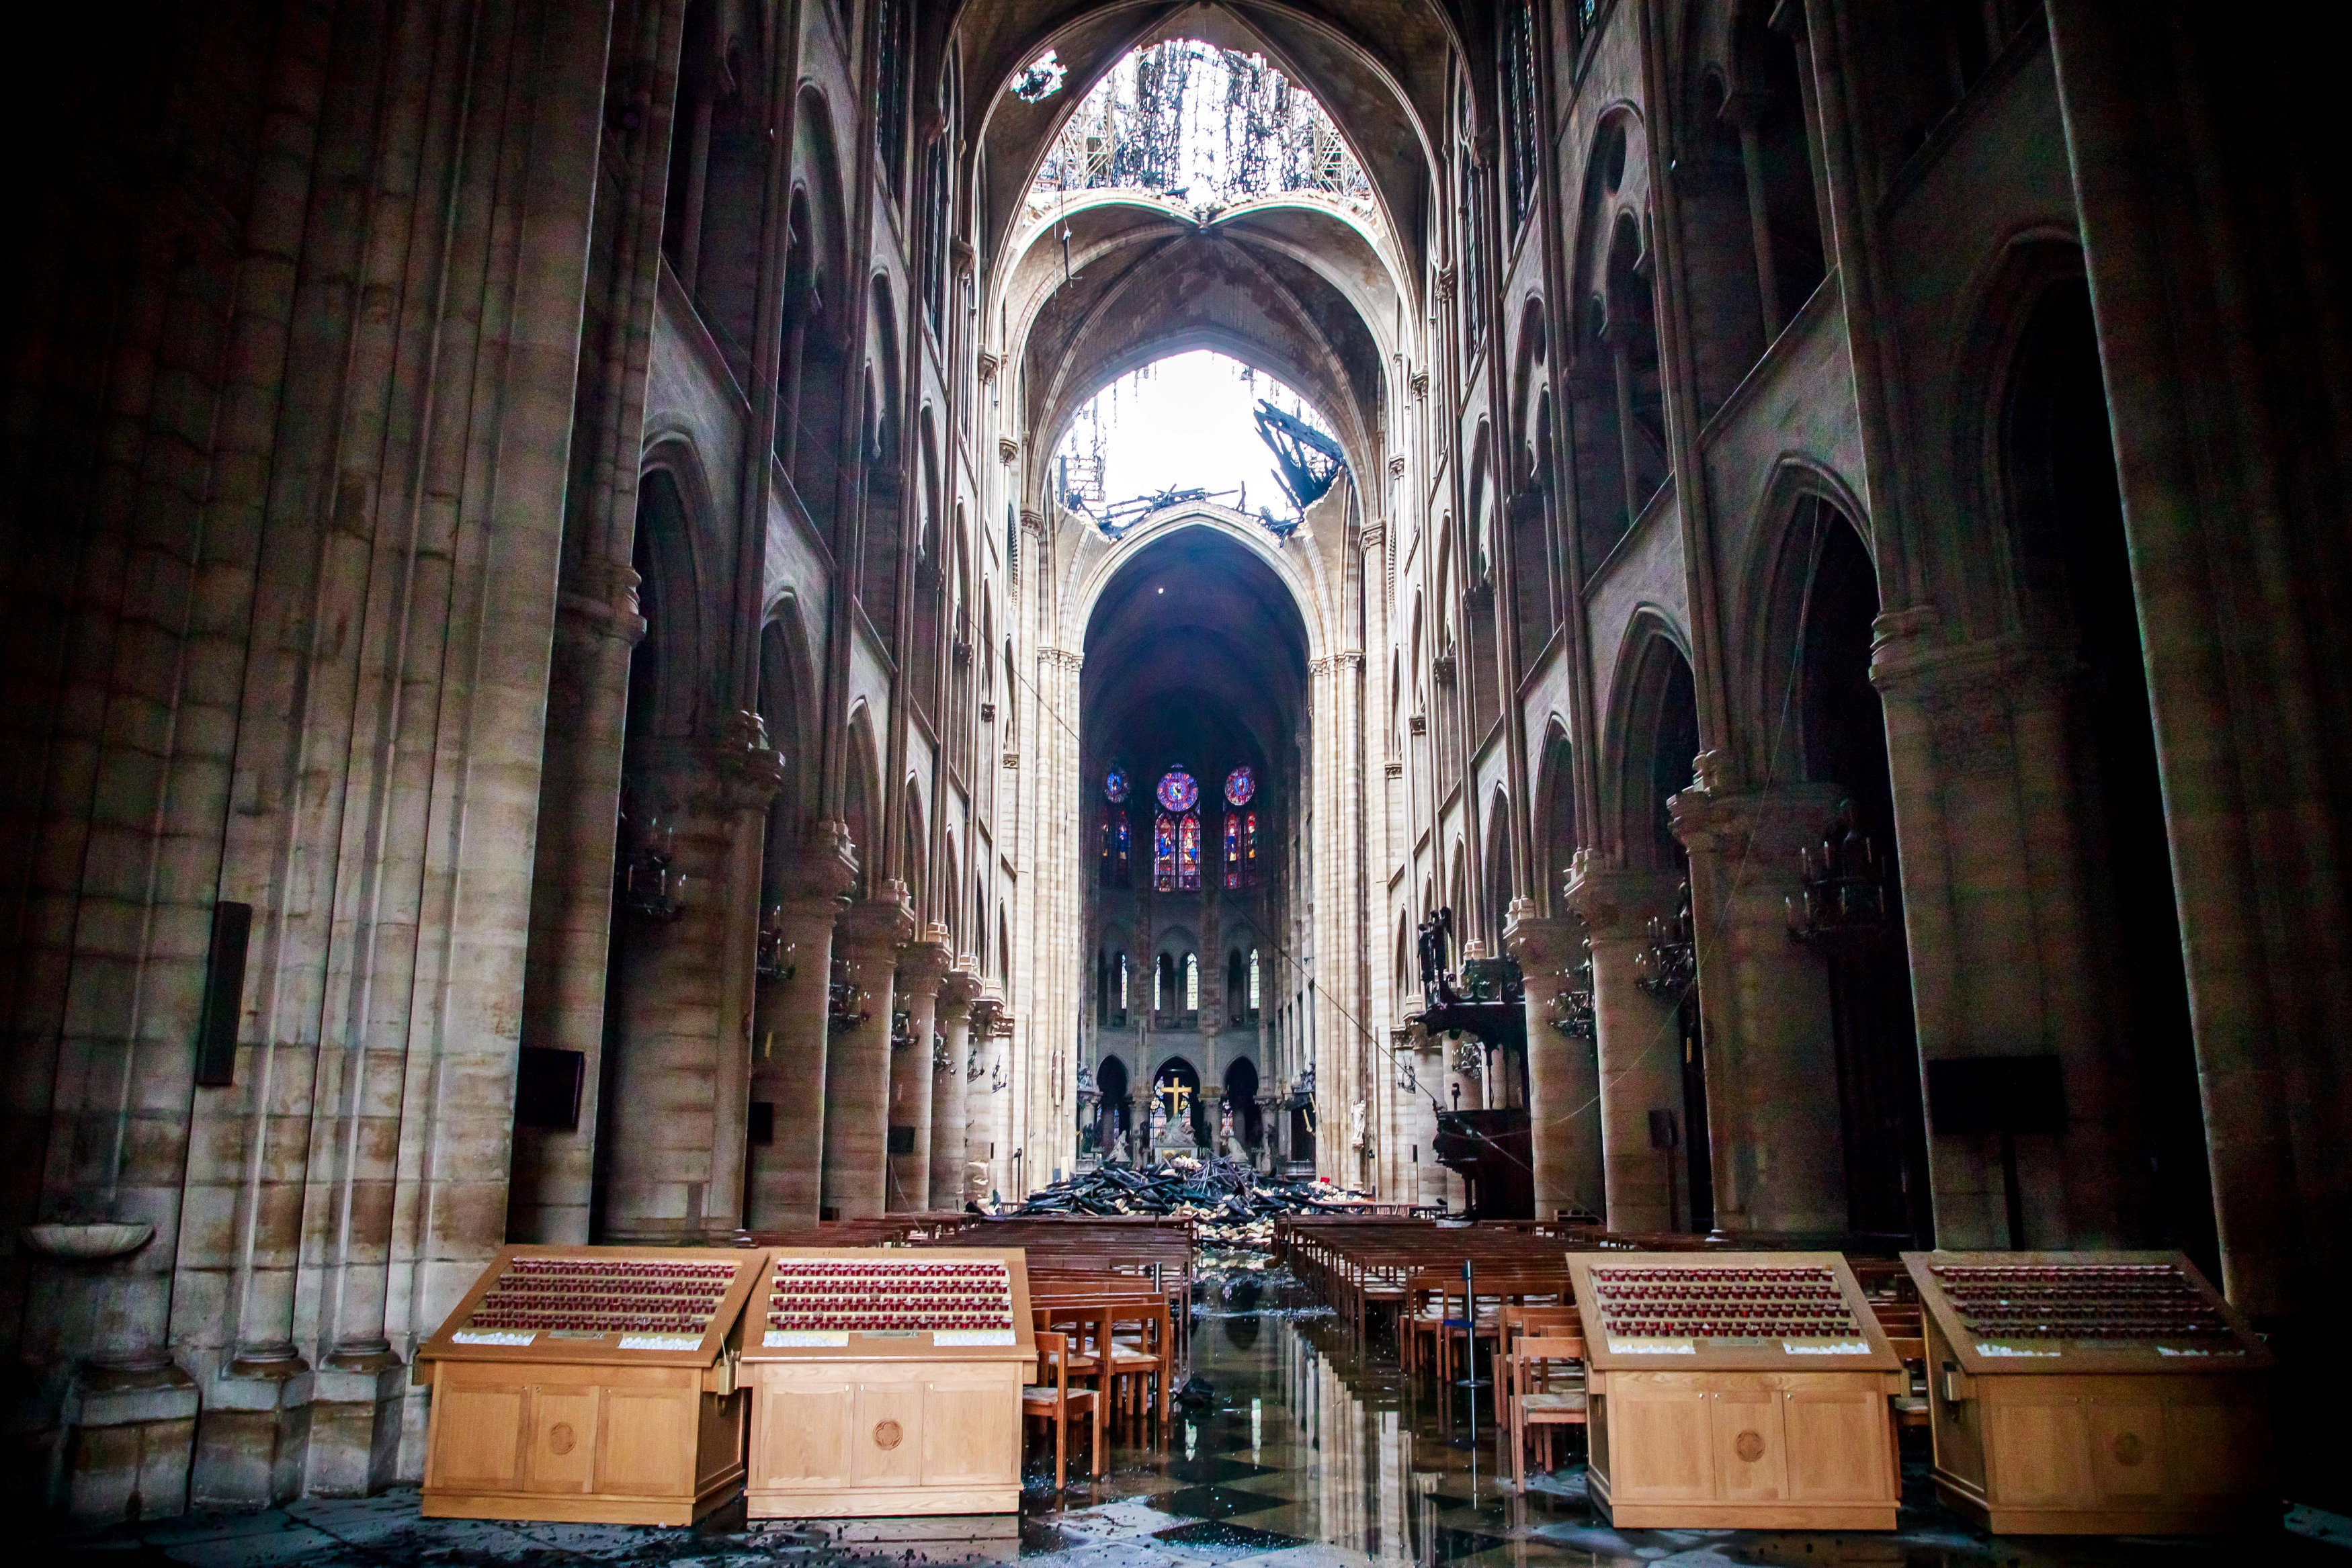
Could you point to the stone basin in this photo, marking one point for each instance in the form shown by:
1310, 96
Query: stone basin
89, 1242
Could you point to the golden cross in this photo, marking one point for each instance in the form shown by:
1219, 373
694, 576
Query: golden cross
1178, 1097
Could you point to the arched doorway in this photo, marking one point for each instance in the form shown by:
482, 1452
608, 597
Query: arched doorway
1114, 1111
1662, 742
1181, 1076
1241, 1099
1841, 731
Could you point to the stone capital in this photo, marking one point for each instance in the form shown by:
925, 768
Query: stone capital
822, 867
1544, 944
924, 964
1765, 827
958, 986
877, 927
1968, 694
1616, 903
751, 772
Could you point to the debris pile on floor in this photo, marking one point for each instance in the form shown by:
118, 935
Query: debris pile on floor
1229, 1204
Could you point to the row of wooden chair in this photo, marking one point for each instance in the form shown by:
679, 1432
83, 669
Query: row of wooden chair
1119, 1344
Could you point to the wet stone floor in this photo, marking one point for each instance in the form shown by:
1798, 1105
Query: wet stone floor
1309, 1456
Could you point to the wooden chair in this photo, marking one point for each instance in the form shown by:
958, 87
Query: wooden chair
1541, 1397
1143, 1354
1433, 1301
1052, 1399
1910, 1406
1518, 1321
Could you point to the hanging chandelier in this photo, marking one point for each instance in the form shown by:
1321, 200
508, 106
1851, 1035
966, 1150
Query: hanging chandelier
1668, 963
1841, 911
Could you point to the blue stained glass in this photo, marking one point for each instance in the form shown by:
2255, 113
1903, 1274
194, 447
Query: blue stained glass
1178, 791
1115, 785
1163, 853
1240, 785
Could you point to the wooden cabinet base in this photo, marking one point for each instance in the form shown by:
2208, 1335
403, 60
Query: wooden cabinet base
851, 1440
1745, 1515
1731, 1450
2118, 1428
585, 1445
538, 1507
2237, 1517
878, 1502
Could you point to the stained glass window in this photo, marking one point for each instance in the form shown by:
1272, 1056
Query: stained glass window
1116, 845
1178, 791
1253, 983
1163, 852
1241, 848
1240, 785
1187, 853
1115, 785
1192, 982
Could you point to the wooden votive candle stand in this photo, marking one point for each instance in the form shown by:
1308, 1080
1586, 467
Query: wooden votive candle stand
589, 1384
886, 1381
2094, 1393
1736, 1391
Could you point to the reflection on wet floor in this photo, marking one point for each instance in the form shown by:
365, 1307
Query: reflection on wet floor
1308, 1456
1316, 1454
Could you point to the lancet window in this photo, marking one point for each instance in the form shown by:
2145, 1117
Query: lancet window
1176, 834
1240, 829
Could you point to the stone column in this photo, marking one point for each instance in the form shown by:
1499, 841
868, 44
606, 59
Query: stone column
1764, 1006
921, 968
990, 1091
1637, 1046
857, 1057
1563, 1075
2006, 955
685, 1017
788, 1033
2232, 508
948, 1087
564, 980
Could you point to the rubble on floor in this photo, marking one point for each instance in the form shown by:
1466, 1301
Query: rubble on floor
1230, 1203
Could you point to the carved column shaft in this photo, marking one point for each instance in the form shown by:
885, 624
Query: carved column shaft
1771, 1079
921, 968
857, 1059
1563, 1075
1637, 1049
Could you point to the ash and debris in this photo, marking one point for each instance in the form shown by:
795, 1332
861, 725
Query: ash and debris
1231, 1205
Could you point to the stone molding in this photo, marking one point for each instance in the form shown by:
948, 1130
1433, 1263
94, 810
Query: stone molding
1393, 770
1396, 466
984, 364
1032, 520
601, 600
1061, 658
